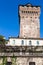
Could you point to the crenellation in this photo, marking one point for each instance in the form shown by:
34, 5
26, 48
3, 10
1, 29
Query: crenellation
21, 8
24, 10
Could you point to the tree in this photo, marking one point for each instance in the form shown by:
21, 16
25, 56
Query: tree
2, 39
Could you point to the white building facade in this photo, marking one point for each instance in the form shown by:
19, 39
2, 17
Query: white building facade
25, 42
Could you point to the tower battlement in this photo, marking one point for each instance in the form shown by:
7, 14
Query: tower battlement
28, 9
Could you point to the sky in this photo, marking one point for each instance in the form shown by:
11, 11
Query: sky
9, 20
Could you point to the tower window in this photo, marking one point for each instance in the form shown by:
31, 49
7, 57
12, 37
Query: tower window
32, 12
26, 11
37, 13
22, 11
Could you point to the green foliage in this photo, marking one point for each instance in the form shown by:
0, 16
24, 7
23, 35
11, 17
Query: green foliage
1, 42
4, 60
14, 60
2, 39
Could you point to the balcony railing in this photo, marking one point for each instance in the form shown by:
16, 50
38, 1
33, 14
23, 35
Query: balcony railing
21, 51
20, 54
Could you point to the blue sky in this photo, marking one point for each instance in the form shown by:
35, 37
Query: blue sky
9, 20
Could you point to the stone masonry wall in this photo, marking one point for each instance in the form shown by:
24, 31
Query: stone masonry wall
29, 22
26, 60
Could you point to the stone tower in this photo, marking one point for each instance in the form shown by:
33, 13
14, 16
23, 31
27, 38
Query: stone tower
29, 21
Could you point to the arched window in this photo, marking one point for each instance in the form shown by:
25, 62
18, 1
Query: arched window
37, 42
13, 41
22, 42
30, 42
